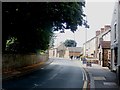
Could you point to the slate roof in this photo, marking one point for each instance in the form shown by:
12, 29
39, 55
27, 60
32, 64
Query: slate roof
61, 47
75, 49
71, 49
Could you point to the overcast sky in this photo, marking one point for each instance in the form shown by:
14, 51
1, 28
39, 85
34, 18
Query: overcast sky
99, 13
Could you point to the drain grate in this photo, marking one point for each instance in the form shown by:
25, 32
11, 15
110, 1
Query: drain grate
99, 78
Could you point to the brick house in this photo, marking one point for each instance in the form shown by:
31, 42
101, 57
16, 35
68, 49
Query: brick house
98, 44
67, 52
103, 39
74, 51
104, 51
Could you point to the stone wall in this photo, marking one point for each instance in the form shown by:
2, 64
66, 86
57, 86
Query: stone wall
12, 62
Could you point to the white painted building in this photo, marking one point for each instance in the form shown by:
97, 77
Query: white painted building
115, 37
52, 52
89, 48
115, 40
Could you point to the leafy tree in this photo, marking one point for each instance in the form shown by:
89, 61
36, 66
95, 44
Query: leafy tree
70, 43
32, 24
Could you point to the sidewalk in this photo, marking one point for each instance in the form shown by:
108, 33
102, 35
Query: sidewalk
101, 77
24, 70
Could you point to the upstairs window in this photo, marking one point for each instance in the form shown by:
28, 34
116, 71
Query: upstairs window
115, 31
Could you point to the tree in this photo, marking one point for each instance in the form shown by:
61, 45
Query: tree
32, 24
70, 43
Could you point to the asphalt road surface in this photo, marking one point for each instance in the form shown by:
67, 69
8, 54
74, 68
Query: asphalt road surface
61, 73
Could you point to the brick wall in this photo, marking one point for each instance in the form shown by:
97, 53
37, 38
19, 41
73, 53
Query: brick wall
105, 57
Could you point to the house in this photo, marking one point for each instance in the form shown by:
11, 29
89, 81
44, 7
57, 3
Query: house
52, 52
67, 52
104, 53
95, 47
103, 45
115, 40
89, 48
115, 37
75, 51
61, 51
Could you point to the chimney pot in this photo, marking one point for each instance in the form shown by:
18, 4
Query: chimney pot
102, 30
97, 33
107, 27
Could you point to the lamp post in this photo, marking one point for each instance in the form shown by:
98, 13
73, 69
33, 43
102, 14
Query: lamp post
86, 26
74, 46
85, 41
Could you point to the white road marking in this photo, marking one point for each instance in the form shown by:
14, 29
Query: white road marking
42, 68
110, 83
99, 78
35, 85
53, 76
83, 75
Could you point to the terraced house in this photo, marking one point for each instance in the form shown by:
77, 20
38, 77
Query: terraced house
103, 45
98, 47
115, 36
115, 40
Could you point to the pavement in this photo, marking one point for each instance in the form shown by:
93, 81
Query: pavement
101, 77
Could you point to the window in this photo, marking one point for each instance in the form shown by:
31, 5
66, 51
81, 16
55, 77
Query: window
115, 29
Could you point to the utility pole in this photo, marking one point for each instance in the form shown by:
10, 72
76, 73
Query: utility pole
85, 41
86, 26
74, 45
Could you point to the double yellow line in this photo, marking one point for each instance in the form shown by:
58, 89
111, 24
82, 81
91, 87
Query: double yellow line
85, 85
85, 79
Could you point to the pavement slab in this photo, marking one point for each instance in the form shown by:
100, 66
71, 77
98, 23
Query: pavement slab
101, 77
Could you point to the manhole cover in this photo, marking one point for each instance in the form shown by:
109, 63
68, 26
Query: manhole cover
99, 78
110, 83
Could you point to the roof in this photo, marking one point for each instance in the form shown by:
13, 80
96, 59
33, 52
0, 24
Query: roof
105, 44
104, 33
75, 49
61, 47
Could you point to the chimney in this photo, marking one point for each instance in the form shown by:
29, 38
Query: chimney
107, 27
102, 30
97, 33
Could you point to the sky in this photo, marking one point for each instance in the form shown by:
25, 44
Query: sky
99, 13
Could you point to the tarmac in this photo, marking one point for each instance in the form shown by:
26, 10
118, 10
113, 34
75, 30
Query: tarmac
101, 77
25, 70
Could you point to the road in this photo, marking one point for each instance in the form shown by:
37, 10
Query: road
60, 73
